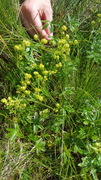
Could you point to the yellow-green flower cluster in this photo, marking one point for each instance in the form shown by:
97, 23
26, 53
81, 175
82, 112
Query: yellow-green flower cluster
99, 15
41, 66
39, 97
59, 65
97, 147
75, 42
27, 76
14, 103
57, 107
36, 37
4, 100
22, 46
44, 41
63, 47
99, 18
19, 47
67, 37
26, 43
64, 28
37, 75
37, 94
53, 43
20, 57
24, 84
44, 113
37, 90
41, 73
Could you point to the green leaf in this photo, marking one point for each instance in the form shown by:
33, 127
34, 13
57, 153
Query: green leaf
94, 174
45, 26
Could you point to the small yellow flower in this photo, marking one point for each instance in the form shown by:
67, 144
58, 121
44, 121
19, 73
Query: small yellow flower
19, 47
20, 57
22, 106
45, 78
4, 100
64, 28
35, 73
41, 66
28, 82
23, 83
44, 41
70, 42
11, 103
75, 42
37, 90
59, 65
39, 97
39, 77
9, 98
45, 72
55, 110
53, 43
64, 57
27, 92
44, 113
67, 36
26, 43
66, 45
53, 72
68, 51
100, 150
27, 76
99, 15
56, 57
18, 92
36, 37
62, 32
97, 144
17, 101
34, 65
57, 105
93, 22
62, 41
99, 20
22, 88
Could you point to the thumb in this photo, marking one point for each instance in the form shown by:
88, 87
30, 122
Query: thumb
48, 17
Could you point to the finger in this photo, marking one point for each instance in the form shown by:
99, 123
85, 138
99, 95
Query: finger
48, 17
35, 21
26, 24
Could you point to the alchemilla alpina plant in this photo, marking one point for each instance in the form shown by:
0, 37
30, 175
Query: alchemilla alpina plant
51, 108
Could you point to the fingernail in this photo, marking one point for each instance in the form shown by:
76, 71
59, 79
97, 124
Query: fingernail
51, 34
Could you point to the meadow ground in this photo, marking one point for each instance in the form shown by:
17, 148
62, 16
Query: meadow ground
50, 95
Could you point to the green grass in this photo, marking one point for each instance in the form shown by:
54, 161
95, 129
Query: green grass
53, 132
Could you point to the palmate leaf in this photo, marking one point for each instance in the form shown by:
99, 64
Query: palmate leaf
14, 133
50, 24
45, 24
94, 174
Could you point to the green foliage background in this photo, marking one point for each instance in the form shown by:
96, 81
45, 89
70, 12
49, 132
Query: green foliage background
58, 138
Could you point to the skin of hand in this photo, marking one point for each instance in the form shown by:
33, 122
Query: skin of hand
32, 12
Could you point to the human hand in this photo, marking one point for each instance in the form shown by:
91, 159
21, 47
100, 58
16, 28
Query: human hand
32, 12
